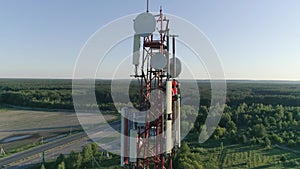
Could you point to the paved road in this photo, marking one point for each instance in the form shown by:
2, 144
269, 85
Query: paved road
52, 154
52, 145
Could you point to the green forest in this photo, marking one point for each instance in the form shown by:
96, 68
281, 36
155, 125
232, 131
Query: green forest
57, 94
259, 127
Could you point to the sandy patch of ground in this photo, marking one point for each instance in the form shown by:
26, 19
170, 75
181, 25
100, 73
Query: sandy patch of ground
39, 123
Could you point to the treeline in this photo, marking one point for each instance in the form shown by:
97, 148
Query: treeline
252, 124
57, 94
37, 93
89, 157
51, 99
267, 93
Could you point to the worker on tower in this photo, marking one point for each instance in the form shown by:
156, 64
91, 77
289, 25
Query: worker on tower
175, 90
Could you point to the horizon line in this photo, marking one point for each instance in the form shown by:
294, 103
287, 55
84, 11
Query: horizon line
226, 79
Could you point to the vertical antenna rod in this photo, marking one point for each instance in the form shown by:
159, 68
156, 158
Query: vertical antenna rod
174, 57
147, 5
174, 54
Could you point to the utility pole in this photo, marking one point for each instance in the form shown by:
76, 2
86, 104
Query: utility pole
2, 152
43, 158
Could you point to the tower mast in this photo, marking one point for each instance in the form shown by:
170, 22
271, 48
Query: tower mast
151, 142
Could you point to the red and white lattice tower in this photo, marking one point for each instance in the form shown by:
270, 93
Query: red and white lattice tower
152, 143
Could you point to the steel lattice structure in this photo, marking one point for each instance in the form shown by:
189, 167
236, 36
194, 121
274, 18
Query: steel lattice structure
159, 103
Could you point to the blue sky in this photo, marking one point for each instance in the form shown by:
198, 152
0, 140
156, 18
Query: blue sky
254, 39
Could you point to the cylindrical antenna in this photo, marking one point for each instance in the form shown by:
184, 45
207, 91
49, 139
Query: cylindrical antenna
174, 54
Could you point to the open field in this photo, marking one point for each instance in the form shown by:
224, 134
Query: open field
36, 125
239, 156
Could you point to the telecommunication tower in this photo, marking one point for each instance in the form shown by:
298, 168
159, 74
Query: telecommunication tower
152, 142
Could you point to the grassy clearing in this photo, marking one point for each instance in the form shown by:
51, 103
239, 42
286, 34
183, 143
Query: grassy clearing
100, 162
243, 156
5, 109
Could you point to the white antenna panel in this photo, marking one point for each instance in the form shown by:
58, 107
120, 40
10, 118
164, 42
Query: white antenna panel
177, 67
144, 24
158, 61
